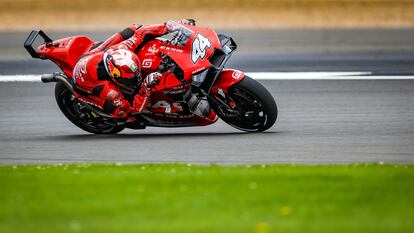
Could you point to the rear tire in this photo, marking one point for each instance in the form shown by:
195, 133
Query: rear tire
67, 105
254, 103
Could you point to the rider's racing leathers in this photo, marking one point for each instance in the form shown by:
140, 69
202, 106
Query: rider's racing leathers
94, 85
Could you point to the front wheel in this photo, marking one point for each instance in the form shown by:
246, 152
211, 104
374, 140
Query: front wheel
81, 115
250, 106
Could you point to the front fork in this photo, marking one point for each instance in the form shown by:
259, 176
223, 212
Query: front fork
199, 102
218, 94
225, 105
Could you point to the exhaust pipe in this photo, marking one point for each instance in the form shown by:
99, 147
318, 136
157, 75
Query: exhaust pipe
57, 77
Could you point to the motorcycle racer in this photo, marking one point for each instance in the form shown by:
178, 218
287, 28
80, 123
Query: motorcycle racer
196, 89
112, 65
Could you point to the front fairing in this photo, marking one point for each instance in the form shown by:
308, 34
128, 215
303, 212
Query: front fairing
199, 48
191, 57
201, 58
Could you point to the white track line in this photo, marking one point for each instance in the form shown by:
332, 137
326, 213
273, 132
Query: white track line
324, 76
306, 75
263, 76
19, 78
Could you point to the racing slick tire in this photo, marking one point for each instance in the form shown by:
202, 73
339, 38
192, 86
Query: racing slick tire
256, 106
91, 122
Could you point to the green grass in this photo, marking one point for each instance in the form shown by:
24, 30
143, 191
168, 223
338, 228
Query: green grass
180, 198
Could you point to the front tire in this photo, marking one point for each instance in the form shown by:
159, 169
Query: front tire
71, 108
256, 107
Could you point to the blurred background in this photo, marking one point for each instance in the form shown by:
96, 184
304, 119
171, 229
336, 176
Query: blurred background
236, 14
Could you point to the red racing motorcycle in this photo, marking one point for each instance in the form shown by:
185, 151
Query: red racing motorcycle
198, 91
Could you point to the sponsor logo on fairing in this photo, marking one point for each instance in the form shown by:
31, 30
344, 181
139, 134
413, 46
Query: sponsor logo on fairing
146, 63
167, 48
237, 74
176, 106
153, 49
199, 46
198, 70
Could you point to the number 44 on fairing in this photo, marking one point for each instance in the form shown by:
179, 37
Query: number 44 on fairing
200, 44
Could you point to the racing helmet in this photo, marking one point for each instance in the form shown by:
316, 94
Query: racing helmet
123, 67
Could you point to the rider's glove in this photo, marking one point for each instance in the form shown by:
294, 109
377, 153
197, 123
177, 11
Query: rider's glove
151, 80
182, 33
142, 98
172, 26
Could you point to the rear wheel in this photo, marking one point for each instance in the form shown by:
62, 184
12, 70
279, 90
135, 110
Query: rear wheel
252, 107
82, 116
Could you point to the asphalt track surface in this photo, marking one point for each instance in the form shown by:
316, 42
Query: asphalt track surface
330, 121
319, 122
